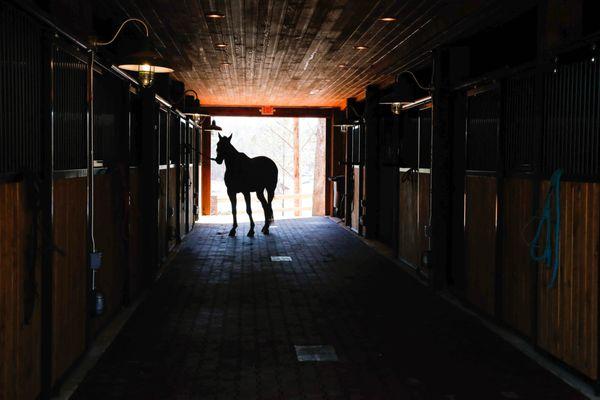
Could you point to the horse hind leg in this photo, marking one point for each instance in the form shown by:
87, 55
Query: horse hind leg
265, 206
270, 194
249, 211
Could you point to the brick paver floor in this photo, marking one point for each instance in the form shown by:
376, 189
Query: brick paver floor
223, 320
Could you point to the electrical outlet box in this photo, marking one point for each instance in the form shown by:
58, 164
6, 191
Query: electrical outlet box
95, 260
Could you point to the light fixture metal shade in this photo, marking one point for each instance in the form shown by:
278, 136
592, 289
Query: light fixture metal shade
396, 96
213, 127
403, 91
145, 59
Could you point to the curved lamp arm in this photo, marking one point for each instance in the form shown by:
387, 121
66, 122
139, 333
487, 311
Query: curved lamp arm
121, 28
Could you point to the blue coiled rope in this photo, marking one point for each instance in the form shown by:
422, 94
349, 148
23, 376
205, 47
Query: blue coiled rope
546, 256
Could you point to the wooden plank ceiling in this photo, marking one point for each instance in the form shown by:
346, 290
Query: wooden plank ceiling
296, 52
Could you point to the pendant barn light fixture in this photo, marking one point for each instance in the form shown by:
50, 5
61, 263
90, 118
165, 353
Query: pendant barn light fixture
213, 127
145, 61
214, 15
404, 93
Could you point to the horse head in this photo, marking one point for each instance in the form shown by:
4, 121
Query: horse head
224, 148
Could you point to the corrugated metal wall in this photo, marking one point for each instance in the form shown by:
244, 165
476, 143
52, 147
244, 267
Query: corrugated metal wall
572, 120
70, 111
20, 91
482, 130
519, 124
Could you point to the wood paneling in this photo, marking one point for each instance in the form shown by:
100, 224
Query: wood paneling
70, 274
517, 270
413, 211
480, 241
162, 215
172, 206
408, 216
109, 233
568, 313
19, 341
288, 53
424, 193
205, 170
356, 207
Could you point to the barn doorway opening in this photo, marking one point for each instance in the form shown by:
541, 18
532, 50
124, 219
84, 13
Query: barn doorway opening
296, 145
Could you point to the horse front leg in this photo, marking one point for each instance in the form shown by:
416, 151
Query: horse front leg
249, 211
233, 200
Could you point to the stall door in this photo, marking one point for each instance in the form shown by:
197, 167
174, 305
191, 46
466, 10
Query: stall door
163, 132
181, 196
413, 194
481, 198
389, 154
355, 177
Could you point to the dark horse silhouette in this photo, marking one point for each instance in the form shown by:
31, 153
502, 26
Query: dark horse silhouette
244, 175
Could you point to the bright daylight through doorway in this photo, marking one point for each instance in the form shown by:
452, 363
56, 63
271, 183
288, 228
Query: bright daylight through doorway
296, 145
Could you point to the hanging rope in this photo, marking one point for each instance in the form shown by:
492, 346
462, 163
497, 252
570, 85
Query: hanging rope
546, 257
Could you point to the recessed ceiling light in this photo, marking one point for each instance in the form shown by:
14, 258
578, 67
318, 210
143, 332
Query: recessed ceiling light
221, 45
214, 15
361, 47
225, 64
314, 91
388, 19
342, 66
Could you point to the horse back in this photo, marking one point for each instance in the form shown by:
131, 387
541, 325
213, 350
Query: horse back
252, 174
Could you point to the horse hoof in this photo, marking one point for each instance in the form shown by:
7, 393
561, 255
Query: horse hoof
232, 233
251, 234
265, 230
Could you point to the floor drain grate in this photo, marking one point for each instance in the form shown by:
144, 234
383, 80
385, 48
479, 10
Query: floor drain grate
315, 353
281, 258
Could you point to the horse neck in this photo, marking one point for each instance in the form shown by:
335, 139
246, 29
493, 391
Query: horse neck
232, 157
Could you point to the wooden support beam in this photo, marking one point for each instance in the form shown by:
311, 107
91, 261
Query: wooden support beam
205, 190
447, 167
371, 168
296, 145
299, 112
149, 182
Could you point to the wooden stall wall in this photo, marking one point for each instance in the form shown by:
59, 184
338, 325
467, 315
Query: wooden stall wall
19, 296
480, 241
423, 216
518, 280
162, 214
191, 201
70, 274
171, 207
568, 313
356, 199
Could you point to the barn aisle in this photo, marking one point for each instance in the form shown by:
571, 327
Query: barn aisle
223, 322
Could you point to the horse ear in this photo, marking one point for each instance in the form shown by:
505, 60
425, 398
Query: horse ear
230, 136
220, 137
